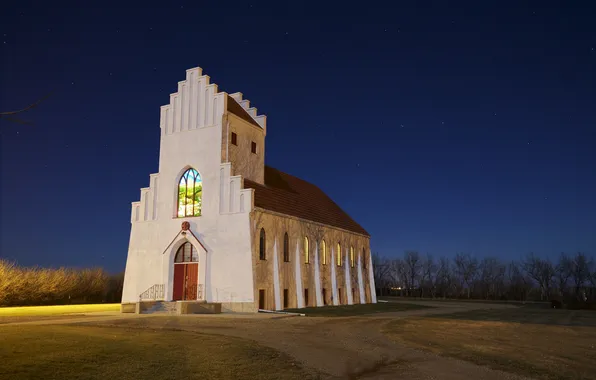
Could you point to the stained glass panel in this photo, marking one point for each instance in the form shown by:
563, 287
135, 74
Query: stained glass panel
190, 191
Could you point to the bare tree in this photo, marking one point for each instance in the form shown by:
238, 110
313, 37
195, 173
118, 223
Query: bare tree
445, 279
491, 277
542, 271
580, 272
466, 267
429, 276
563, 272
413, 268
381, 271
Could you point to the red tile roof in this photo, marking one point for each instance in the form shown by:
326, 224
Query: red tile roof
293, 196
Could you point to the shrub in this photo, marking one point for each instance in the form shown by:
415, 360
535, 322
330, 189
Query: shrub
21, 286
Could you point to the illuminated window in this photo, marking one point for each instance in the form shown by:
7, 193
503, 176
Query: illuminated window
253, 147
190, 190
286, 248
352, 261
306, 253
234, 139
186, 254
323, 252
262, 242
338, 254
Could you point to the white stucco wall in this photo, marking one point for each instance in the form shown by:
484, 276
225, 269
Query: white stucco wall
191, 133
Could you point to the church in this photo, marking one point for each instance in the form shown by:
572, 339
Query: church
218, 226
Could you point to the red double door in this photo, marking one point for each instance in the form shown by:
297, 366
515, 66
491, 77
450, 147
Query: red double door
186, 277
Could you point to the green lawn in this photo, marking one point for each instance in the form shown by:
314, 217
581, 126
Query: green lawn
56, 310
91, 352
358, 309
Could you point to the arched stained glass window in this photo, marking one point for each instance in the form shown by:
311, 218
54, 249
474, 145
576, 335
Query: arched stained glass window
306, 252
323, 252
262, 245
190, 191
352, 259
186, 254
286, 248
338, 254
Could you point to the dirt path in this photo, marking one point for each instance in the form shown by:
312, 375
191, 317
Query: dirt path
335, 346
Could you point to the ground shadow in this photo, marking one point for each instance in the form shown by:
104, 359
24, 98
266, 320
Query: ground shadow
530, 315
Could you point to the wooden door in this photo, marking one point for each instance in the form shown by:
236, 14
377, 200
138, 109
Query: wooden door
186, 277
191, 278
178, 282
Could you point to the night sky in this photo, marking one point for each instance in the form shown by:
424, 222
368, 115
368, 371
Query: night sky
467, 127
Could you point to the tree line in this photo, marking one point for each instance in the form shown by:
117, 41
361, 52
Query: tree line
572, 277
21, 286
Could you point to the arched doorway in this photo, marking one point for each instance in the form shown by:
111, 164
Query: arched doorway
186, 273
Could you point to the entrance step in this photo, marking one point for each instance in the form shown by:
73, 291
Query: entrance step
161, 307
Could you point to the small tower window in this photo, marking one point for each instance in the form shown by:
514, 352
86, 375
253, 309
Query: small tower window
352, 258
234, 139
253, 147
323, 252
338, 254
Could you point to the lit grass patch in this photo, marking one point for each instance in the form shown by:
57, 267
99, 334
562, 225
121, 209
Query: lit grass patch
537, 350
358, 309
91, 352
56, 310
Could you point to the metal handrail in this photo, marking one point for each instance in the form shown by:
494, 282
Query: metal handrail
155, 292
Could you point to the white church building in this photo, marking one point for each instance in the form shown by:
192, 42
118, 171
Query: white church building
217, 226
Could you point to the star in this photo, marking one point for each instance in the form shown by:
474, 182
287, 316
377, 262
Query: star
72, 83
401, 125
442, 122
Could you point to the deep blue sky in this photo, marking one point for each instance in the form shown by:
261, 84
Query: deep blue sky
444, 128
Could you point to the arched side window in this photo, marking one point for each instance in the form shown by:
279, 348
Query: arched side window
323, 252
262, 243
306, 252
186, 254
338, 254
190, 191
364, 258
286, 248
352, 258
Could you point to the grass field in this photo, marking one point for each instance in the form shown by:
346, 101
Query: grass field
56, 310
545, 344
84, 352
358, 309
34, 313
